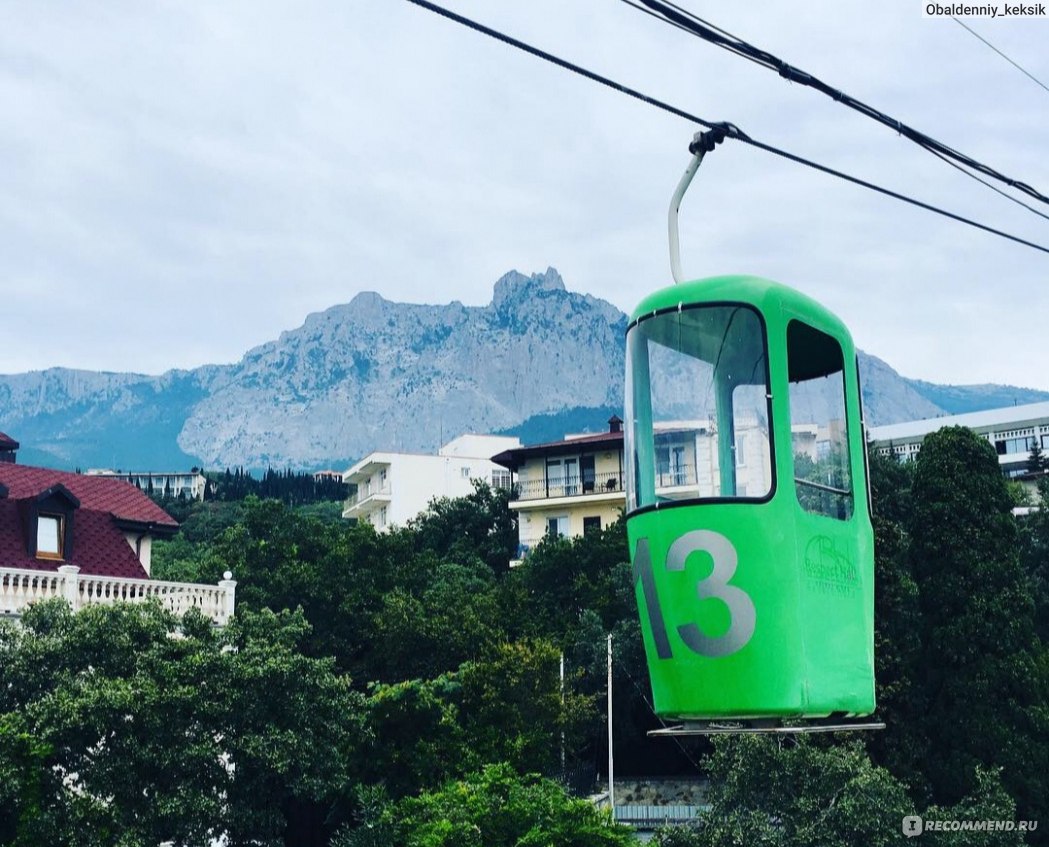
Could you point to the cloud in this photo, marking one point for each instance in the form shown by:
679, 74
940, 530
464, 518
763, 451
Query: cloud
184, 181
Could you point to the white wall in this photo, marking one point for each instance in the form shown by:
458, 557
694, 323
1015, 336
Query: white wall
479, 445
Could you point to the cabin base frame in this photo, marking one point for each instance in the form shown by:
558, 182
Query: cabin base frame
763, 727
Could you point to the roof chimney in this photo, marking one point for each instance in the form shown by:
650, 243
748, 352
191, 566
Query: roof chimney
615, 424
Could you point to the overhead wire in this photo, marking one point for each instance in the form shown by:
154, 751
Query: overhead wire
1016, 65
745, 55
680, 17
730, 130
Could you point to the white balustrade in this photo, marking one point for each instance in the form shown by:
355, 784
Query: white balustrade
21, 587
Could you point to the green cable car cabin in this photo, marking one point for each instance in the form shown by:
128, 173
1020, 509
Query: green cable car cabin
747, 510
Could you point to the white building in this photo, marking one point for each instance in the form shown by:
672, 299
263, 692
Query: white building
190, 484
392, 488
1012, 432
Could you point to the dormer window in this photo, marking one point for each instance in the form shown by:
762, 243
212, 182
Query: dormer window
49, 536
47, 520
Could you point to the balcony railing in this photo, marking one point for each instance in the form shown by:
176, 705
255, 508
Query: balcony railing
20, 588
675, 477
362, 495
573, 486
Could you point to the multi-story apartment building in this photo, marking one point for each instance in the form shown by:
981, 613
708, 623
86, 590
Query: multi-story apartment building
189, 484
570, 487
392, 488
1012, 432
566, 487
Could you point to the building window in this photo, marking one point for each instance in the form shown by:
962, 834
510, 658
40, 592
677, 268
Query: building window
500, 479
591, 525
557, 527
466, 473
49, 537
562, 477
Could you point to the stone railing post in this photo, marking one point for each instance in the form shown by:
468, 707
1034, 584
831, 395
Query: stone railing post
229, 586
70, 588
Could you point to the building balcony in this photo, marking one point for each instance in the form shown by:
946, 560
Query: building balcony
365, 502
557, 487
21, 588
668, 479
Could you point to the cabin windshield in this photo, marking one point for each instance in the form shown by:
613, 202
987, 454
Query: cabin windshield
697, 407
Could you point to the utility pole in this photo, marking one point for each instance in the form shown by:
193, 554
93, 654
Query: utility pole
562, 714
611, 788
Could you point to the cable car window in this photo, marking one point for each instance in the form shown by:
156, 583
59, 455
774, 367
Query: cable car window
697, 407
819, 434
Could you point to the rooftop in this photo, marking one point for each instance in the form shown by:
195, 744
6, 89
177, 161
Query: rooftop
613, 439
1011, 416
107, 508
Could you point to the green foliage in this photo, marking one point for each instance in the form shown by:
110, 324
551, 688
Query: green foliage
1034, 555
776, 791
124, 725
452, 619
978, 662
290, 487
494, 808
1037, 461
507, 708
23, 759
478, 525
792, 792
561, 578
897, 626
426, 682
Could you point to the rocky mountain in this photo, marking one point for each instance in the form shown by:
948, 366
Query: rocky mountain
373, 374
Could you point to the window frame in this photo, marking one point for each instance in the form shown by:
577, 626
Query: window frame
851, 496
771, 434
60, 526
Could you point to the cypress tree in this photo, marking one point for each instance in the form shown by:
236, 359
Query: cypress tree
979, 654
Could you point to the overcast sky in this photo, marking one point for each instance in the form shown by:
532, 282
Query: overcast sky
181, 181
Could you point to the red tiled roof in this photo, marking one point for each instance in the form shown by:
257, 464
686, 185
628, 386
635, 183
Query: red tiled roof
99, 545
96, 493
513, 459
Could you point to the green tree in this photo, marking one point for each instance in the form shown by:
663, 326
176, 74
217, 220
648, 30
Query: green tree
978, 665
897, 626
454, 618
796, 792
495, 808
142, 728
1037, 461
1034, 538
561, 578
337, 574
507, 707
479, 525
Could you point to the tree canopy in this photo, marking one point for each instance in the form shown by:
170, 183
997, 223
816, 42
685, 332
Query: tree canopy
405, 687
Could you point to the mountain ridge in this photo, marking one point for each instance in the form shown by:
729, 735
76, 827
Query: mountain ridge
376, 374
